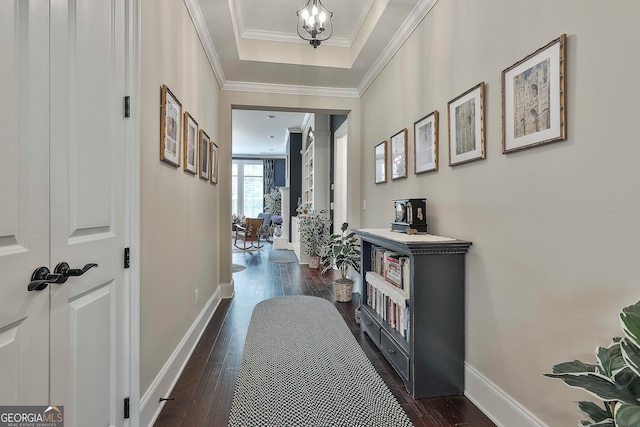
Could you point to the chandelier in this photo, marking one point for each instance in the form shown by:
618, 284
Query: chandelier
313, 20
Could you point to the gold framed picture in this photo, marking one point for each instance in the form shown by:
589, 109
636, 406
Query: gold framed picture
399, 155
466, 126
534, 98
170, 127
380, 157
190, 157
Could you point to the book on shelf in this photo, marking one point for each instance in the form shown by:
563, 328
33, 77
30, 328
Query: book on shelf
389, 303
394, 267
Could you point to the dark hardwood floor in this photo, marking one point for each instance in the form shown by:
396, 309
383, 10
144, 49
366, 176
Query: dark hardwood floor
204, 391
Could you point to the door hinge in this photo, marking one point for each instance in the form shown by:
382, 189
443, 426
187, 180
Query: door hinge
127, 106
126, 407
127, 258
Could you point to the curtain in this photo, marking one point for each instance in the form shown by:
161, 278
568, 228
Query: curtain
269, 173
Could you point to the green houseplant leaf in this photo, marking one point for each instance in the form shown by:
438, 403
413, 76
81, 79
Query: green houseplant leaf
598, 385
595, 412
631, 355
627, 415
610, 359
573, 367
630, 321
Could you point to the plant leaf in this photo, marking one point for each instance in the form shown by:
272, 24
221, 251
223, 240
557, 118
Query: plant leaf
610, 359
630, 322
629, 380
595, 412
628, 415
573, 367
606, 423
631, 355
597, 385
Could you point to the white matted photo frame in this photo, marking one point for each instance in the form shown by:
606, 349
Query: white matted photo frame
214, 163
399, 155
203, 155
170, 127
380, 158
466, 126
190, 157
534, 98
425, 144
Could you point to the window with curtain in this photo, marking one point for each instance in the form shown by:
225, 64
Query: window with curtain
247, 183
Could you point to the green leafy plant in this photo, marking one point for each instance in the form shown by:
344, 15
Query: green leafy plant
343, 250
273, 202
314, 231
614, 379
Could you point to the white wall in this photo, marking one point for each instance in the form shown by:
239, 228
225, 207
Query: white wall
179, 243
554, 228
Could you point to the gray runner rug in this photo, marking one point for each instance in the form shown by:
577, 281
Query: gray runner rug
301, 366
282, 256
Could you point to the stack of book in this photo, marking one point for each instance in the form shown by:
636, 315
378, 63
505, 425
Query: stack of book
395, 268
390, 302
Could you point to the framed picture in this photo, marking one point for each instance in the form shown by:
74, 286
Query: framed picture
399, 155
214, 163
466, 126
425, 144
203, 155
380, 157
190, 158
534, 98
170, 126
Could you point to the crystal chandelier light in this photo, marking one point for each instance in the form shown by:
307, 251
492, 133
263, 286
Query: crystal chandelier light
313, 21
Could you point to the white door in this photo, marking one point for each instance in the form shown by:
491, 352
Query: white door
64, 345
24, 200
340, 166
88, 316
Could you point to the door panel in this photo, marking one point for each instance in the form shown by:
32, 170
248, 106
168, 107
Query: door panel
92, 328
87, 212
24, 196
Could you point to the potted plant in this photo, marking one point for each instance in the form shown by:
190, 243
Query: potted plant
614, 379
343, 251
303, 208
273, 202
276, 220
314, 234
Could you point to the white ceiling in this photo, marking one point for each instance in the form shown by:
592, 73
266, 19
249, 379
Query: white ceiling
252, 131
253, 45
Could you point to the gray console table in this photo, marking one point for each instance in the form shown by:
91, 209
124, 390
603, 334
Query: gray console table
428, 354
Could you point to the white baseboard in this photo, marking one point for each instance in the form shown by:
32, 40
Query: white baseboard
150, 406
227, 290
501, 408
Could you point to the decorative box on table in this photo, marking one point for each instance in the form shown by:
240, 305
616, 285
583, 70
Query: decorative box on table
410, 216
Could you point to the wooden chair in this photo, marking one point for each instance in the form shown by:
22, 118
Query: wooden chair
249, 233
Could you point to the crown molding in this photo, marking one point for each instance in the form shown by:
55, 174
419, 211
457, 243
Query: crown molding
416, 16
205, 38
290, 89
273, 36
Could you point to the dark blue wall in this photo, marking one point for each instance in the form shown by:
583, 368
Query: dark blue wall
280, 173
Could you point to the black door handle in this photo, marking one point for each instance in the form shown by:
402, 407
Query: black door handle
64, 270
41, 278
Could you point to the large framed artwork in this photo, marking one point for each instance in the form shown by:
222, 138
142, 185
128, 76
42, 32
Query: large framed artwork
425, 144
214, 163
380, 157
466, 126
204, 155
170, 126
399, 155
190, 160
534, 98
